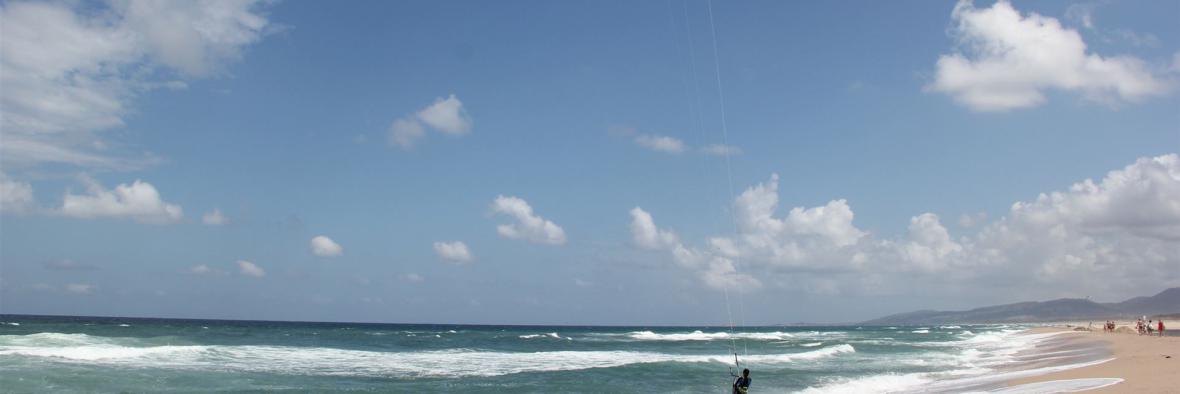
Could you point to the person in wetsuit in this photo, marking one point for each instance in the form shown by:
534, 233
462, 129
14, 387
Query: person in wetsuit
742, 384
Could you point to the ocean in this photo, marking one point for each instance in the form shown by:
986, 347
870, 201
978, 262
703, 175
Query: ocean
91, 354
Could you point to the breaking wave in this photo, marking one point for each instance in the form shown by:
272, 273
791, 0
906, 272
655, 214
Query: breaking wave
133, 353
712, 336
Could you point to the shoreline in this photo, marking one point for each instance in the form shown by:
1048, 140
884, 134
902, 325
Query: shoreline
1138, 364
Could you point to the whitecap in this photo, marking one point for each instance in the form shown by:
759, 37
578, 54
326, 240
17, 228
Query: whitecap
885, 383
813, 344
713, 336
549, 335
126, 353
927, 331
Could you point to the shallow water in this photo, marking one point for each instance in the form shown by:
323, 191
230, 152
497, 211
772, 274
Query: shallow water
74, 354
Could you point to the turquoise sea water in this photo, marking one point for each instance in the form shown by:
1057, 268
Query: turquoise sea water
83, 354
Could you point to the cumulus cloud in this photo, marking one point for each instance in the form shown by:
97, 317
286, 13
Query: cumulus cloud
325, 247
529, 226
1006, 60
201, 269
72, 71
646, 235
405, 133
929, 244
214, 218
447, 116
1116, 236
250, 269
971, 220
15, 196
138, 201
660, 143
713, 269
454, 251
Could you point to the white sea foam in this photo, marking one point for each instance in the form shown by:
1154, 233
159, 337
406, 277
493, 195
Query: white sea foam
131, 353
948, 327
813, 344
124, 325
926, 331
712, 336
549, 335
1060, 386
11, 323
885, 383
936, 382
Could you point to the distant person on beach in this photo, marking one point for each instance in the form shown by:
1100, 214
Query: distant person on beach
742, 384
1161, 326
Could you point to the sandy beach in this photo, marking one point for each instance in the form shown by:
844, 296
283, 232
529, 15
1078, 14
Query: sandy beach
1145, 364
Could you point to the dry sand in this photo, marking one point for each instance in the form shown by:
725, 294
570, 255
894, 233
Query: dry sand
1141, 362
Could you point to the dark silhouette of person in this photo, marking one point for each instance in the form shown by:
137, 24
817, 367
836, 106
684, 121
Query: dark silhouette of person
742, 384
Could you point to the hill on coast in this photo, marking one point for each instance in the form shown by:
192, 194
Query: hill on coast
1166, 302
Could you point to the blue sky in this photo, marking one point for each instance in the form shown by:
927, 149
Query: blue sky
394, 129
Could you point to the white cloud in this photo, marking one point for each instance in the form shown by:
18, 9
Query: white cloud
405, 133
1116, 236
138, 201
929, 244
15, 196
446, 115
80, 288
583, 283
970, 220
413, 277
529, 226
1082, 13
201, 269
325, 247
1008, 60
454, 251
646, 235
250, 269
789, 239
712, 268
72, 71
214, 218
721, 150
660, 143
